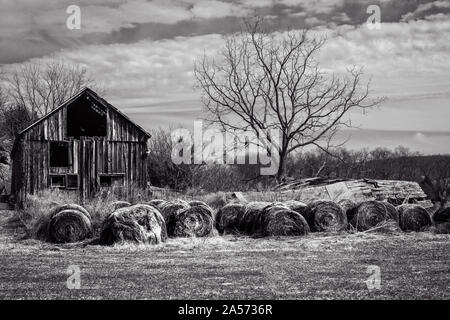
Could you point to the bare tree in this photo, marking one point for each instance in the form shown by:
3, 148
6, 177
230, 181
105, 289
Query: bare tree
41, 87
271, 81
13, 119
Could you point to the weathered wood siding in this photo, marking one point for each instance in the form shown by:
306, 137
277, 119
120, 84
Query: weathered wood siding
121, 130
121, 151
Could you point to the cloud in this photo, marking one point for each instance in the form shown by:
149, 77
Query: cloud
29, 29
408, 61
342, 17
38, 27
397, 48
147, 72
19, 18
314, 6
428, 9
313, 21
208, 9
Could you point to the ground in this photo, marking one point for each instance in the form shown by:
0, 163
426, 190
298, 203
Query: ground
319, 266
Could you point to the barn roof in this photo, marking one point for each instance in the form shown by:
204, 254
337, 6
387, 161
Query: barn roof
95, 96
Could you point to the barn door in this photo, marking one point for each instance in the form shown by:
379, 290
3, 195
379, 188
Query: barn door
87, 168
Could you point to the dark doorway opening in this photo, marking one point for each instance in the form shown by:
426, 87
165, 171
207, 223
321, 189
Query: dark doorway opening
59, 154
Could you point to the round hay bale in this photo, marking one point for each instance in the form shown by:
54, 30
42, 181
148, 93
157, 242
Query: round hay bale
257, 224
441, 219
227, 218
141, 223
249, 222
207, 208
369, 214
156, 202
441, 216
325, 215
281, 221
195, 221
278, 205
443, 228
69, 226
40, 228
169, 210
275, 206
295, 205
392, 212
118, 204
194, 203
69, 206
349, 207
413, 218
175, 201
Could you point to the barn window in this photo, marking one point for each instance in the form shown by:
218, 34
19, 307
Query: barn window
111, 180
72, 181
59, 154
57, 181
86, 118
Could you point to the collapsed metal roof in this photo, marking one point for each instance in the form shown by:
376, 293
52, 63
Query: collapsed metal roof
393, 191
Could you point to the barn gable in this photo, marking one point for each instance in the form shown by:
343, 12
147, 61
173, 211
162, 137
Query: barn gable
88, 109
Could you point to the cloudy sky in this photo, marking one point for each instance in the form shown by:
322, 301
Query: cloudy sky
143, 52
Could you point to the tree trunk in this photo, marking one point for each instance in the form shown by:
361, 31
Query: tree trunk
281, 174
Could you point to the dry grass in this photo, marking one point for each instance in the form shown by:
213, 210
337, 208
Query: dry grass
37, 208
317, 266
216, 200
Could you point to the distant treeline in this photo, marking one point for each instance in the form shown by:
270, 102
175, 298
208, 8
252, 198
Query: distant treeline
431, 171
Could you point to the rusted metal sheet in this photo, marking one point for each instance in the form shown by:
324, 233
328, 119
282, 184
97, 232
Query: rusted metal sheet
394, 191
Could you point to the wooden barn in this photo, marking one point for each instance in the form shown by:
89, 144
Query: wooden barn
84, 145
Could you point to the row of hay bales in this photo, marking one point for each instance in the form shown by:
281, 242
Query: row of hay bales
146, 223
262, 219
154, 221
291, 218
297, 218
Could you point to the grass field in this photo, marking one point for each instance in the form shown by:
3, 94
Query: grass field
319, 266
